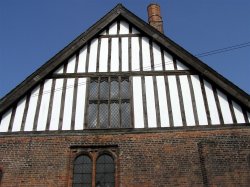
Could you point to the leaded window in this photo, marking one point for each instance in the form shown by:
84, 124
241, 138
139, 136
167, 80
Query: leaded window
105, 171
109, 103
82, 171
98, 171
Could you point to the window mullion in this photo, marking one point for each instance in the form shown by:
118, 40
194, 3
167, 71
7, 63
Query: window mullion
94, 156
119, 100
98, 103
109, 101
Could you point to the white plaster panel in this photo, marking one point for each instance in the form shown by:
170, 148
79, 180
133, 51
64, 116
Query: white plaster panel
168, 60
238, 113
163, 105
80, 104
93, 55
135, 31
59, 70
125, 66
71, 65
225, 110
32, 109
135, 54
19, 115
146, 54
248, 114
103, 61
68, 104
175, 101
187, 101
44, 107
150, 98
103, 33
113, 28
157, 57
200, 105
5, 122
138, 105
114, 64
124, 27
211, 104
82, 60
55, 113
181, 66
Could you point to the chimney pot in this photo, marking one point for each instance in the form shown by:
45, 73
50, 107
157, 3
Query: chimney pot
154, 16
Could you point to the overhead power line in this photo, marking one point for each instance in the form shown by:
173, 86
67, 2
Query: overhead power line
200, 55
222, 50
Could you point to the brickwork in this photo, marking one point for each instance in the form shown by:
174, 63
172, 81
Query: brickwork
207, 157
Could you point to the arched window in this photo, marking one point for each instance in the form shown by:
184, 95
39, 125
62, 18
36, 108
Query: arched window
105, 171
82, 171
95, 169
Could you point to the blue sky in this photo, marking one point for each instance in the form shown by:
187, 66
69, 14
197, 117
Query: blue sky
32, 32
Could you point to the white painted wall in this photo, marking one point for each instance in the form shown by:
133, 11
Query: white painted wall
32, 109
55, 114
44, 107
150, 98
200, 106
163, 104
19, 115
138, 105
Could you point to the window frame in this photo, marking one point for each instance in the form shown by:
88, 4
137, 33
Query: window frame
94, 153
98, 101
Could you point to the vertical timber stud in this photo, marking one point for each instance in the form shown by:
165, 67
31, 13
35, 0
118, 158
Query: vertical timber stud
232, 110
73, 116
50, 104
144, 101
157, 108
129, 49
218, 104
171, 123
193, 100
25, 111
183, 116
38, 106
63, 97
205, 100
13, 113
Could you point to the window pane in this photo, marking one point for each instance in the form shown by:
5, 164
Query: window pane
125, 114
104, 89
103, 114
125, 88
92, 115
93, 89
105, 171
114, 90
82, 171
114, 114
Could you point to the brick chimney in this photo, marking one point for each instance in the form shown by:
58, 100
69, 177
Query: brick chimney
154, 16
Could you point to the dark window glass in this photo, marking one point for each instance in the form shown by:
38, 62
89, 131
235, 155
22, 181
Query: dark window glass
93, 89
82, 171
93, 115
103, 114
125, 114
114, 91
109, 103
105, 171
104, 89
114, 114
125, 88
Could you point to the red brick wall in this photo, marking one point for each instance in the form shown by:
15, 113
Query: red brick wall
218, 157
